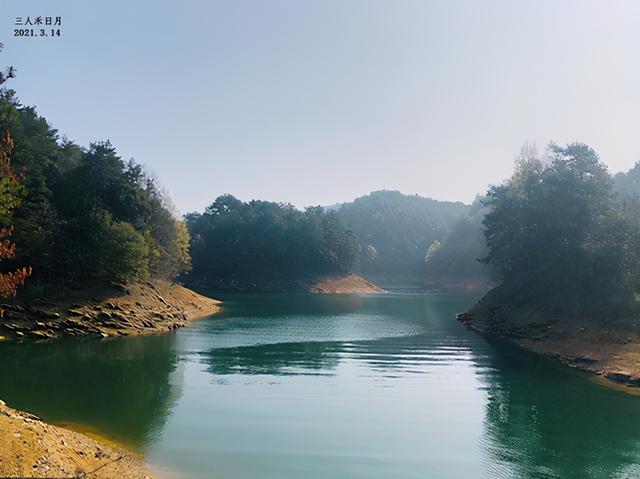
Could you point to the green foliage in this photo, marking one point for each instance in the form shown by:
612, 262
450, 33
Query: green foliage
456, 261
395, 230
86, 213
556, 231
260, 240
118, 251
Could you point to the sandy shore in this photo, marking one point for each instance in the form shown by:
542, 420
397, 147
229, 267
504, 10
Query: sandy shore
350, 284
32, 448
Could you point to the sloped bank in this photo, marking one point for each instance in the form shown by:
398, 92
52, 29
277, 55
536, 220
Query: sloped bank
135, 309
350, 284
32, 448
605, 345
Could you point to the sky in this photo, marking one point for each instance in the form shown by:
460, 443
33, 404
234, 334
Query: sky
319, 102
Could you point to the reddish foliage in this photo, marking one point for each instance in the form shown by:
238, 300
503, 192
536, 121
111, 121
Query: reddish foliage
9, 282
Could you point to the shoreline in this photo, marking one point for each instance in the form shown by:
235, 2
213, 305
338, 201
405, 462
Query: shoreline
141, 308
350, 283
30, 447
609, 349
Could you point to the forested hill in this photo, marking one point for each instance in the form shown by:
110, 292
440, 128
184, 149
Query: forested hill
455, 261
266, 245
395, 231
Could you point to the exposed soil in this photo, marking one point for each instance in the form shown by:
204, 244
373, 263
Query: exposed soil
140, 308
32, 448
608, 347
349, 284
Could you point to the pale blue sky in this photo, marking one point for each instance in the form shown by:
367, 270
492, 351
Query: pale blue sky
317, 102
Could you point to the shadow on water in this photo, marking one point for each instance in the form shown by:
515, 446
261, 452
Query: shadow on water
405, 354
543, 420
122, 388
303, 358
397, 322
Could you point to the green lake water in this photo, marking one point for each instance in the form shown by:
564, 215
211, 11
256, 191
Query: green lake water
312, 386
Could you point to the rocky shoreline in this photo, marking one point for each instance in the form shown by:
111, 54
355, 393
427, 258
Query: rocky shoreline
135, 309
608, 348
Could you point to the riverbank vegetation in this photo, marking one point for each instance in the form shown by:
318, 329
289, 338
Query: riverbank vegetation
558, 232
85, 214
240, 243
563, 239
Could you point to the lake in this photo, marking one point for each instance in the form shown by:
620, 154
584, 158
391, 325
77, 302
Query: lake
284, 386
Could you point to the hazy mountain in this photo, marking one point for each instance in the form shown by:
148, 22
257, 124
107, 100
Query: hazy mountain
395, 230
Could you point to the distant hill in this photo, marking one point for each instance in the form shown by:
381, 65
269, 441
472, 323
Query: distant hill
454, 261
395, 230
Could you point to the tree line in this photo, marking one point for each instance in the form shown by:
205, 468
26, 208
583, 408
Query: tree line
560, 232
82, 214
239, 242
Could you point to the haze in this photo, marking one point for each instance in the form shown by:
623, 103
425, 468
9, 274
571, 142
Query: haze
318, 102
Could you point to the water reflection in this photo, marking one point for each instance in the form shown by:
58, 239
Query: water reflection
543, 421
302, 358
121, 388
377, 387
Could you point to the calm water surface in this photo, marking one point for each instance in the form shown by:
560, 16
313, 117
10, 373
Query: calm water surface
304, 386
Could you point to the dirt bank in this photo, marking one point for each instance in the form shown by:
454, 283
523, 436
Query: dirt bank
140, 308
608, 347
351, 283
32, 448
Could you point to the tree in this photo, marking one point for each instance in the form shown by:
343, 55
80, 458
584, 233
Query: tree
10, 196
555, 230
9, 72
265, 241
10, 192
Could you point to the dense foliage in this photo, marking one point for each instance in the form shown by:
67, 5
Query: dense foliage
10, 196
395, 231
455, 261
85, 214
259, 240
556, 230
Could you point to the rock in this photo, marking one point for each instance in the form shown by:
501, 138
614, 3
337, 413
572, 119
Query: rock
618, 377
634, 381
102, 315
103, 334
75, 312
119, 317
42, 334
44, 314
